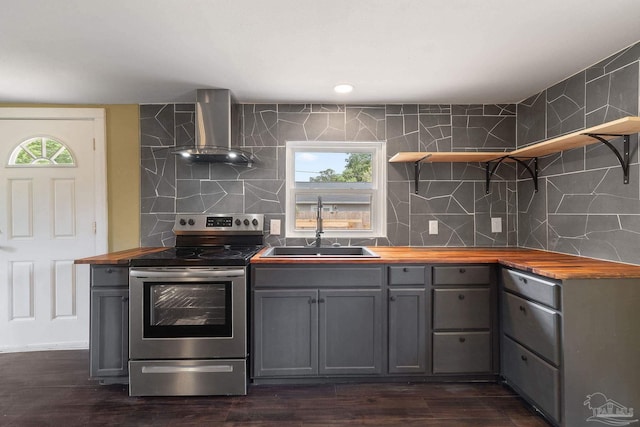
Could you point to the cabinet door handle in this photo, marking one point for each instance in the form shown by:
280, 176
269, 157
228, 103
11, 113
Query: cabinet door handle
392, 298
461, 297
462, 271
524, 358
125, 299
522, 309
312, 301
462, 339
321, 300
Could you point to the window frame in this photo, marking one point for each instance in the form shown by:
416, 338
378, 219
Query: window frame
22, 146
378, 191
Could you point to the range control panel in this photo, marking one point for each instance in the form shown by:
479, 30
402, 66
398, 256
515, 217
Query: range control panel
233, 223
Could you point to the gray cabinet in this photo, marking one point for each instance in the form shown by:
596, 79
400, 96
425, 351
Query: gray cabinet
350, 331
318, 321
531, 348
564, 341
109, 333
285, 332
464, 303
407, 327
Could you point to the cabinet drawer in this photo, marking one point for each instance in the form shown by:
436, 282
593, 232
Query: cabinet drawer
535, 288
109, 275
459, 352
462, 275
532, 325
533, 376
461, 308
407, 275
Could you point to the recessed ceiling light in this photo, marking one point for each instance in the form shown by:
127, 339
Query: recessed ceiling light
343, 88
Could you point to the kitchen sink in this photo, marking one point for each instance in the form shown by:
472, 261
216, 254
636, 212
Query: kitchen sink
323, 251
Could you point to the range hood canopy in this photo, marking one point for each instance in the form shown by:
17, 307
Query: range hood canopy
217, 124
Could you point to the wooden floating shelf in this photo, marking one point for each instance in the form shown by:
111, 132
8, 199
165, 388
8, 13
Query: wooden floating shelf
596, 134
446, 157
581, 138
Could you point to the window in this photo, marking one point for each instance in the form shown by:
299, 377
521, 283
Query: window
350, 179
41, 151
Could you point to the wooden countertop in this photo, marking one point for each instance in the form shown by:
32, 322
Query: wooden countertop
120, 257
549, 264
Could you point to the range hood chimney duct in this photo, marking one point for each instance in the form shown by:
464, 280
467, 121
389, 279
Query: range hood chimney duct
217, 124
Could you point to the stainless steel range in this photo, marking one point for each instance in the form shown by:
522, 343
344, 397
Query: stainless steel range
188, 309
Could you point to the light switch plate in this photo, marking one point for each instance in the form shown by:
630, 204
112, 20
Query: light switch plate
433, 227
496, 225
274, 226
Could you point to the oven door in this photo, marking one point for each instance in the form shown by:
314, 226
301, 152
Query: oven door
186, 313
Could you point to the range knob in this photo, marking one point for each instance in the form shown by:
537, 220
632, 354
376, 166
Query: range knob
238, 222
191, 221
182, 221
254, 222
246, 222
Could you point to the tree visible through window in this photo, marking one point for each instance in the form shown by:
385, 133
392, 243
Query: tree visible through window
41, 151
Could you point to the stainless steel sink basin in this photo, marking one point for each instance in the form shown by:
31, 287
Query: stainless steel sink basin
323, 251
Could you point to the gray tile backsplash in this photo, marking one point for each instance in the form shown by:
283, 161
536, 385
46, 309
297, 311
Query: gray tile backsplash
210, 188
582, 207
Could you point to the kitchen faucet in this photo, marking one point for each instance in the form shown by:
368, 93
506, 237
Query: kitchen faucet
319, 223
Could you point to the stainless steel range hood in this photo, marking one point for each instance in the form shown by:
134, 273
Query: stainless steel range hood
217, 128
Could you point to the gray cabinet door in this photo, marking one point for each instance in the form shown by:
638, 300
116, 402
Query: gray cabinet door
407, 331
285, 329
350, 331
109, 338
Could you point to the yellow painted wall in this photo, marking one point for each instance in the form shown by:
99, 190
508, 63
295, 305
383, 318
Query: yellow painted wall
123, 171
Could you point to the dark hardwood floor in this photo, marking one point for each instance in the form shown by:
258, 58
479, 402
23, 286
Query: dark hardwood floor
53, 389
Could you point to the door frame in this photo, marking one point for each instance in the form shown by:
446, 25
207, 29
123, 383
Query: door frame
97, 116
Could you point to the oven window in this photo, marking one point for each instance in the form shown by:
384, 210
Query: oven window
202, 309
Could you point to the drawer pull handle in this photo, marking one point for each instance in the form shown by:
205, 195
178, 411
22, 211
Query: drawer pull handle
109, 270
524, 358
392, 298
461, 297
522, 309
523, 280
462, 339
405, 269
462, 271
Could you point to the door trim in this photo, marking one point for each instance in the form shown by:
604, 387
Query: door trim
97, 116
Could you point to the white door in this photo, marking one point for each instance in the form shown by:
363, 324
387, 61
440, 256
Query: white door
51, 201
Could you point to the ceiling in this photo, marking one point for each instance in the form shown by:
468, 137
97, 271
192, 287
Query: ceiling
392, 51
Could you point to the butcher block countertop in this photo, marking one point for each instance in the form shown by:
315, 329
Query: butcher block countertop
549, 264
120, 257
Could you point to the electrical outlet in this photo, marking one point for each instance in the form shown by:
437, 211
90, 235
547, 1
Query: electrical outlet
433, 227
274, 225
496, 225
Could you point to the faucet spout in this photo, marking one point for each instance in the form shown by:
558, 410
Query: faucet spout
319, 223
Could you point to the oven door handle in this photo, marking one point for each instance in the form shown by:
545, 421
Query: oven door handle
167, 274
181, 369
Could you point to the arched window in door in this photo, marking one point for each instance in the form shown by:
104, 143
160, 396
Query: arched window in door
42, 152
